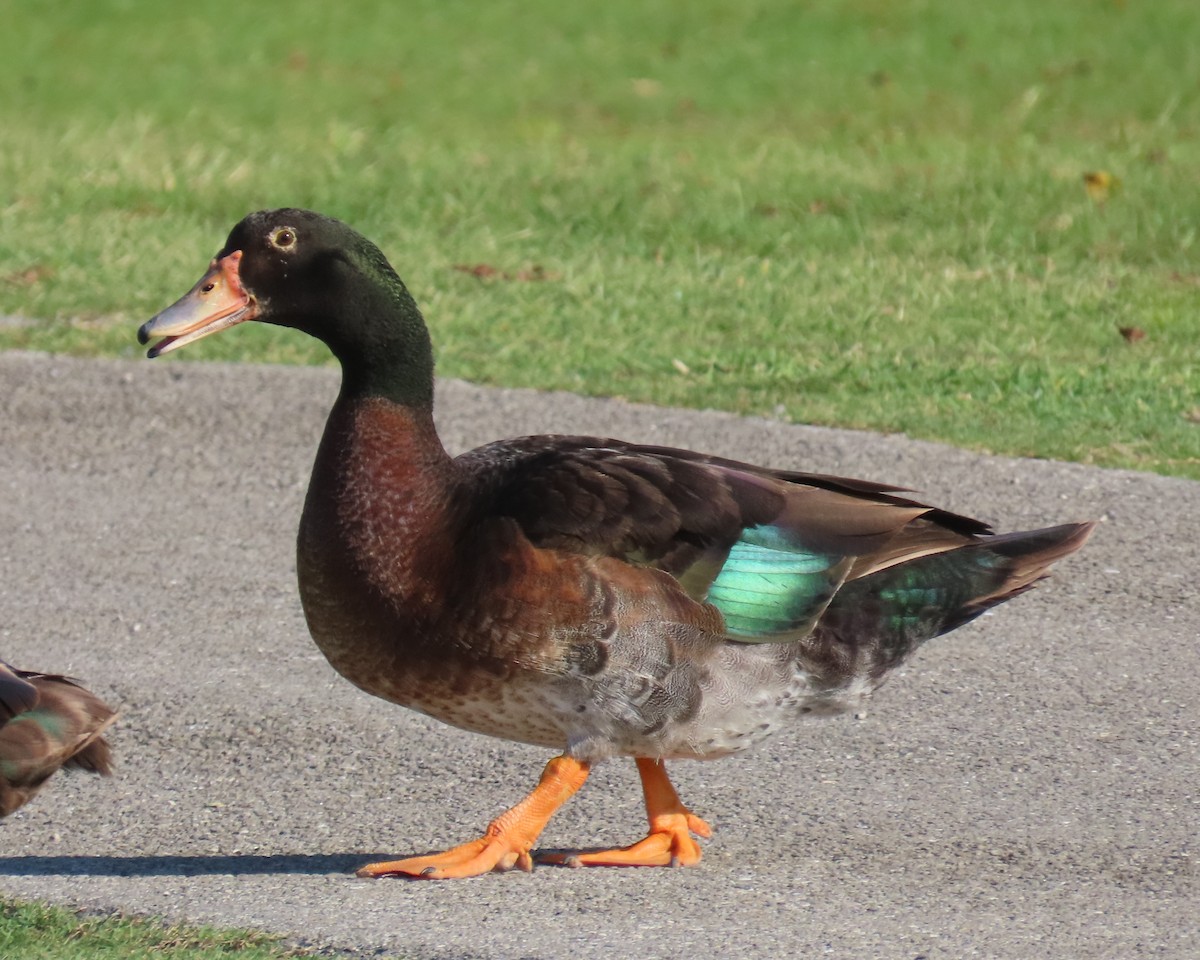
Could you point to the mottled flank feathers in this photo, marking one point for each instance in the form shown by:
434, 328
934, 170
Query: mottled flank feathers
47, 722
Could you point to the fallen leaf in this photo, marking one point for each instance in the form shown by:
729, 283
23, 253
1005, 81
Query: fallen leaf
484, 271
534, 274
1100, 185
29, 276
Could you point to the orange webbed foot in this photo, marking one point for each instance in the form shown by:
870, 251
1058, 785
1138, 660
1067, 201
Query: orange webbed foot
508, 839
466, 860
669, 842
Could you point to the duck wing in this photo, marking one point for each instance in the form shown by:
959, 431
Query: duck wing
769, 549
49, 722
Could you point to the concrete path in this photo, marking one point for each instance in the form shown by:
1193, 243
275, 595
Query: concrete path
1027, 787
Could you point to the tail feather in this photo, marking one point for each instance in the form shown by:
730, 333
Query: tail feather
877, 621
1033, 552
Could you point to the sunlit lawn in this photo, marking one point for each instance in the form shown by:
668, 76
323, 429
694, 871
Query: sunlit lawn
870, 214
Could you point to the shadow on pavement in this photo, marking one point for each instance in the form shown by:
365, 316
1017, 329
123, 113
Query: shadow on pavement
187, 866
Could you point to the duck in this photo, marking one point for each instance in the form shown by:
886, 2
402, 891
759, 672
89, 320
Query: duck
47, 722
597, 598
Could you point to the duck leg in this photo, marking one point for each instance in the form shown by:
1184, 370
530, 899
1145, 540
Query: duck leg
669, 842
508, 839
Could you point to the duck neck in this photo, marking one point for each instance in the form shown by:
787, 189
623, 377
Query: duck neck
385, 350
395, 365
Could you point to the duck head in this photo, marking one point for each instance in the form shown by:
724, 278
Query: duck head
299, 269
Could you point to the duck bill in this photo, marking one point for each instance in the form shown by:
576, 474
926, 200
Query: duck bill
215, 303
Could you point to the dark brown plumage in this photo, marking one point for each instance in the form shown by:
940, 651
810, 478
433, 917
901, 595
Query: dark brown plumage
47, 722
592, 596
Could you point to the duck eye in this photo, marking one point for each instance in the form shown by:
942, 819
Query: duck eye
284, 238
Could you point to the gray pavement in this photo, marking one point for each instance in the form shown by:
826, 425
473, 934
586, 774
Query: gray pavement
1026, 787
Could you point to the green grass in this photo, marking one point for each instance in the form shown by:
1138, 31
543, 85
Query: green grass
30, 931
864, 213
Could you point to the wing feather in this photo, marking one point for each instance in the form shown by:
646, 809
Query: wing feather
715, 525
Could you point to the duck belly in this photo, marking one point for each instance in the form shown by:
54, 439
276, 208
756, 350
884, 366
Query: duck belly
708, 706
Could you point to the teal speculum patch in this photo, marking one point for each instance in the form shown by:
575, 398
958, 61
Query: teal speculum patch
769, 589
